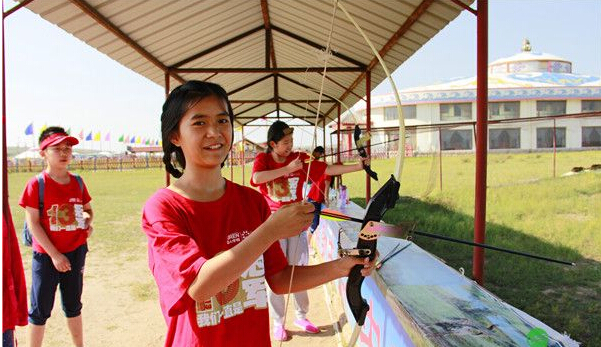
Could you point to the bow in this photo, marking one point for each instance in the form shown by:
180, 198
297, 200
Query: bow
360, 145
384, 199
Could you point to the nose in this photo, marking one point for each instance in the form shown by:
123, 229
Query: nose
213, 129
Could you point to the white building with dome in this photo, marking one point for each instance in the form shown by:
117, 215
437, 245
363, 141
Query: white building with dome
529, 95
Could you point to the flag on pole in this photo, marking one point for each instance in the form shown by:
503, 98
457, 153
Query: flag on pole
107, 137
81, 134
126, 140
138, 139
29, 129
147, 141
89, 137
121, 138
97, 136
133, 139
43, 128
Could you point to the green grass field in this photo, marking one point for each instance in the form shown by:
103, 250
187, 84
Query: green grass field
527, 210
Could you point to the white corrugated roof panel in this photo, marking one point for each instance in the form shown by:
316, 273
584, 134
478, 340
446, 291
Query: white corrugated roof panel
151, 36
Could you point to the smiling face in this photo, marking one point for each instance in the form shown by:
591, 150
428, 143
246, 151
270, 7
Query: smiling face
283, 147
205, 133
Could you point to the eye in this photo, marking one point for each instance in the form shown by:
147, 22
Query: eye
198, 122
224, 120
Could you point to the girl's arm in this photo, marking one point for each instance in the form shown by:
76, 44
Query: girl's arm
32, 216
261, 177
220, 271
307, 277
339, 169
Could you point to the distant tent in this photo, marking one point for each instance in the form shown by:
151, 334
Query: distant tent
32, 153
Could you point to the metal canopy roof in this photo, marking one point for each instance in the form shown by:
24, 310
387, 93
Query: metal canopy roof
268, 54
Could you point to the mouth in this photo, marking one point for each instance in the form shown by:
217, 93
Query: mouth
213, 147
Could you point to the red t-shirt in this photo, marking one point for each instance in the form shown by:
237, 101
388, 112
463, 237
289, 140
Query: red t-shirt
288, 188
62, 218
318, 189
14, 290
182, 235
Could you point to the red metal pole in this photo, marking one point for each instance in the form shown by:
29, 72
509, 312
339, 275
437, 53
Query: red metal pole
368, 128
481, 140
243, 156
554, 148
440, 156
167, 176
338, 135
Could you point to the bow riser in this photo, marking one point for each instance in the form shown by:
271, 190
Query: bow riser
384, 199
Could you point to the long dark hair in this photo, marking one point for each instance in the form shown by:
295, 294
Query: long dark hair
179, 101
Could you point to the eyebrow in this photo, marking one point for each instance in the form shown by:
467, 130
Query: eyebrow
199, 115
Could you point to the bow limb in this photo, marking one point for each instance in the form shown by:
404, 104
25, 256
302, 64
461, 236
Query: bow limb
359, 144
385, 198
401, 155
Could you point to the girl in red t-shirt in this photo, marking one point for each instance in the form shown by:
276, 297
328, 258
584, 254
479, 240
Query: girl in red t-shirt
280, 174
212, 243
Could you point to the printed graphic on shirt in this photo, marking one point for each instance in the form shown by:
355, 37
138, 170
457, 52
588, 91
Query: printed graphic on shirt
283, 189
66, 217
247, 292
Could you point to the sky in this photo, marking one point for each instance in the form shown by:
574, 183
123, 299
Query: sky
53, 78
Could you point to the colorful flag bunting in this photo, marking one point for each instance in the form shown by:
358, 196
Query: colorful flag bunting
121, 138
107, 137
81, 134
133, 139
29, 129
89, 137
97, 136
69, 131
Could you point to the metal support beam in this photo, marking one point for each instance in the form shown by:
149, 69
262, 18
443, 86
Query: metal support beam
482, 139
108, 25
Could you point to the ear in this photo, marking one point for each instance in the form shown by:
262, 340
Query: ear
272, 144
174, 138
43, 153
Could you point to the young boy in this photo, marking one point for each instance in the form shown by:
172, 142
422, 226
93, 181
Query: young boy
280, 174
60, 232
318, 193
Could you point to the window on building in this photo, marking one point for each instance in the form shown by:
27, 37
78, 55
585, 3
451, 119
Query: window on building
504, 138
409, 112
591, 136
591, 105
550, 108
452, 112
456, 139
544, 137
503, 110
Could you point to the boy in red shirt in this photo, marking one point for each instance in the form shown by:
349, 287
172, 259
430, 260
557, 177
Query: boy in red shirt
60, 232
280, 174
318, 193
211, 242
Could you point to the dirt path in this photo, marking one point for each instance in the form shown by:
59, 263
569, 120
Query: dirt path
121, 308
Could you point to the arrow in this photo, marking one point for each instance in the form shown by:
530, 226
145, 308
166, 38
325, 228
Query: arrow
406, 230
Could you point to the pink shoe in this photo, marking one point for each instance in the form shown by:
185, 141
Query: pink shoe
307, 326
279, 333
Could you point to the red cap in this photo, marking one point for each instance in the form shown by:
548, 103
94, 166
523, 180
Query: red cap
57, 138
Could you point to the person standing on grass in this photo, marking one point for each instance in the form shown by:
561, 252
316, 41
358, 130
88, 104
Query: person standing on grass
318, 193
212, 243
60, 232
280, 174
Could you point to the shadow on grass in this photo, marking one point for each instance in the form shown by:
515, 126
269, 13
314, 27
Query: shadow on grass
567, 298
